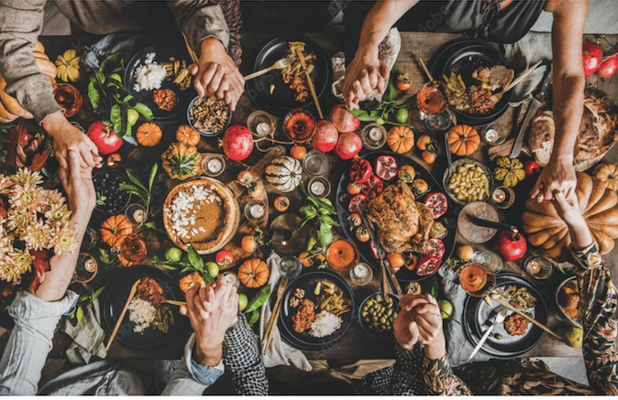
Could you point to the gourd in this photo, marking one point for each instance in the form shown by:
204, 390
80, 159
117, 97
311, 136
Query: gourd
253, 273
115, 229
284, 173
463, 140
181, 161
599, 206
68, 66
608, 173
400, 139
187, 135
187, 282
148, 134
510, 171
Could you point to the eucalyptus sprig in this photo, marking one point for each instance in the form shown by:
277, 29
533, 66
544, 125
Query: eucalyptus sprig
145, 194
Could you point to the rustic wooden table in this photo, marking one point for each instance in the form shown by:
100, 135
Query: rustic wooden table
357, 344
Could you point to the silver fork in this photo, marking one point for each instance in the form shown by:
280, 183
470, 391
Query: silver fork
284, 62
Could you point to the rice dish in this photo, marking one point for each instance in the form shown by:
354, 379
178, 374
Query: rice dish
150, 75
142, 313
325, 324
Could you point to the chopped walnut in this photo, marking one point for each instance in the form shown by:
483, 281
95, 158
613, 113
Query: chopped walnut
209, 115
294, 302
300, 293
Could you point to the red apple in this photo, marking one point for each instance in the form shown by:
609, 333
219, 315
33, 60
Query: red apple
591, 55
104, 137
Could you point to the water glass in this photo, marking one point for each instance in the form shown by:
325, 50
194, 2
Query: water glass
290, 267
488, 258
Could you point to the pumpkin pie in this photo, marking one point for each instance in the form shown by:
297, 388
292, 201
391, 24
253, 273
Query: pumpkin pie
202, 213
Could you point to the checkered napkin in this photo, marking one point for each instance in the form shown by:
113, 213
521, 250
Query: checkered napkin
88, 337
279, 352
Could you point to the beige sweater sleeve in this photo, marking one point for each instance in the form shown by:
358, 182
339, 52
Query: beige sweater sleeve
20, 24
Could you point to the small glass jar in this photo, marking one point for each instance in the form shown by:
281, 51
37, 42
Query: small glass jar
213, 165
493, 136
255, 210
290, 267
91, 238
489, 259
503, 197
373, 136
135, 213
261, 124
539, 267
315, 163
361, 274
85, 269
318, 187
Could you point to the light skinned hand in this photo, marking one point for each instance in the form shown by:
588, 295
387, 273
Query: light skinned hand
216, 74
365, 74
419, 320
405, 328
66, 137
77, 183
556, 176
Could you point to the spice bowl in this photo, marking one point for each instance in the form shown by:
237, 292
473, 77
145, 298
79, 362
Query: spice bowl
208, 117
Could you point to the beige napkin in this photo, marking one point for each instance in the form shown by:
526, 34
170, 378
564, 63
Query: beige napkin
279, 352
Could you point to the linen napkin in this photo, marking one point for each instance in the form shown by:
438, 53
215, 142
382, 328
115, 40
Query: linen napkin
88, 337
279, 352
458, 347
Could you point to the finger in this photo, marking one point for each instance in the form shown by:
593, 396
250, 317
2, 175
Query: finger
224, 86
410, 301
74, 165
427, 309
547, 192
193, 69
427, 331
183, 310
213, 86
87, 158
366, 83
536, 189
203, 81
189, 296
64, 177
349, 98
569, 192
61, 157
561, 202
358, 91
373, 76
384, 71
199, 308
381, 83
431, 299
414, 333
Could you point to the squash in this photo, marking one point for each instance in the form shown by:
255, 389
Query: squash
463, 140
510, 171
400, 139
284, 173
181, 161
148, 134
68, 66
187, 282
599, 206
187, 135
115, 229
253, 273
608, 173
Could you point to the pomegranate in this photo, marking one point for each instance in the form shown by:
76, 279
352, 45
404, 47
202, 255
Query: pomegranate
531, 168
591, 55
348, 145
609, 67
237, 142
428, 265
343, 120
386, 167
361, 171
510, 245
104, 137
325, 136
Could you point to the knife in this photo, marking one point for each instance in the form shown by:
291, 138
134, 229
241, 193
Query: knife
384, 274
499, 319
532, 109
492, 225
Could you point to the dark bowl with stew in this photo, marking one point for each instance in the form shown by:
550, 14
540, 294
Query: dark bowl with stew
206, 132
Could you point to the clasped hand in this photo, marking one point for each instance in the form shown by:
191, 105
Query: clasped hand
419, 320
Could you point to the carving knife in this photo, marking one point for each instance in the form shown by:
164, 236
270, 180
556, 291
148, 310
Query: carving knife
532, 109
384, 273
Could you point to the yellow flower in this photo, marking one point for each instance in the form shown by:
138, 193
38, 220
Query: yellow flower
38, 235
5, 242
19, 221
22, 260
25, 176
26, 197
57, 215
64, 240
5, 184
53, 199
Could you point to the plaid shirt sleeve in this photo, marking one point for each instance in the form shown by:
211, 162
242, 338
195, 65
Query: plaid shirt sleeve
243, 358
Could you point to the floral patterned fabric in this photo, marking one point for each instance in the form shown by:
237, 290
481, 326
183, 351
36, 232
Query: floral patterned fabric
524, 375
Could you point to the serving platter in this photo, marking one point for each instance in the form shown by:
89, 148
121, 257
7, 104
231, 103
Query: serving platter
478, 316
114, 298
448, 219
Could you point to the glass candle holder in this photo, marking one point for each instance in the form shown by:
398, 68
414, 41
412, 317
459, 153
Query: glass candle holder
290, 267
85, 269
315, 163
539, 267
135, 213
489, 259
261, 124
255, 210
361, 274
373, 136
493, 136
318, 187
213, 165
503, 197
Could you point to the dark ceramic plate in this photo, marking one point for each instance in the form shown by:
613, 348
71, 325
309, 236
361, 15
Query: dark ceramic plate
163, 52
307, 281
478, 317
281, 101
463, 57
115, 297
448, 219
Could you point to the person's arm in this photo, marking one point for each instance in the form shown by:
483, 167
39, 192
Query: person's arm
207, 32
367, 73
598, 300
568, 96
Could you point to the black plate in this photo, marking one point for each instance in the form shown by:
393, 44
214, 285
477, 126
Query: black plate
281, 101
163, 53
448, 219
478, 316
306, 281
115, 297
463, 57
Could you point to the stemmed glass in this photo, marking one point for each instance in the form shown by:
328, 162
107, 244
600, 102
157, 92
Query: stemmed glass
433, 100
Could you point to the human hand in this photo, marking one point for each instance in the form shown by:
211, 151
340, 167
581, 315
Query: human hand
77, 183
568, 209
558, 175
405, 328
67, 137
425, 324
212, 310
216, 74
365, 74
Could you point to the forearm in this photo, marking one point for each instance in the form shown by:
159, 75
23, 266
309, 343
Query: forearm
381, 18
568, 100
200, 21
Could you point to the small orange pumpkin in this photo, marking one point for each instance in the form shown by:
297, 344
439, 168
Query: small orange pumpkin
187, 135
187, 282
148, 134
463, 139
115, 229
400, 139
253, 273
608, 173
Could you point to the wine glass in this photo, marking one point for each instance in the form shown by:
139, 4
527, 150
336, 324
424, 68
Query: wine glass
477, 279
433, 100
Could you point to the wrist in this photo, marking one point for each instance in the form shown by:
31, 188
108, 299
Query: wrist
436, 349
208, 355
210, 44
54, 122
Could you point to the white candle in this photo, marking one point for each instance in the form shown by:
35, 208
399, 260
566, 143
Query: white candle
257, 211
215, 165
138, 215
262, 128
90, 265
499, 195
491, 135
318, 188
375, 134
360, 270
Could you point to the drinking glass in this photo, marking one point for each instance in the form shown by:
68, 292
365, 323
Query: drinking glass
315, 163
477, 279
433, 100
489, 259
290, 267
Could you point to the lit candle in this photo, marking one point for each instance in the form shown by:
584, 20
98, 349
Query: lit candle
318, 188
499, 196
257, 211
262, 128
138, 215
215, 165
375, 134
534, 267
491, 135
90, 265
360, 270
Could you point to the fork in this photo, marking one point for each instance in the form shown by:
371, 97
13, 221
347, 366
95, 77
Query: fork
274, 315
284, 62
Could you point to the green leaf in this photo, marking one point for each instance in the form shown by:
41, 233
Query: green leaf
313, 239
151, 225
391, 89
153, 175
79, 314
142, 194
115, 116
259, 299
126, 99
328, 221
93, 95
254, 317
195, 259
83, 297
135, 180
364, 115
98, 293
170, 267
144, 110
326, 235
100, 78
112, 62
187, 269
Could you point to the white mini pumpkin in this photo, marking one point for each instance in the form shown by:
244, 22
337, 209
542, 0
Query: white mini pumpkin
284, 173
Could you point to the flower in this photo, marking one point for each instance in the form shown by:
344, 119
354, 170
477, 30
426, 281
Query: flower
15, 264
26, 197
53, 199
25, 176
64, 239
6, 183
5, 242
38, 236
57, 215
19, 221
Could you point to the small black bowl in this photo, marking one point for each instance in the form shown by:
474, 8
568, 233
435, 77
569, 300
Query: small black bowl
370, 330
107, 183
